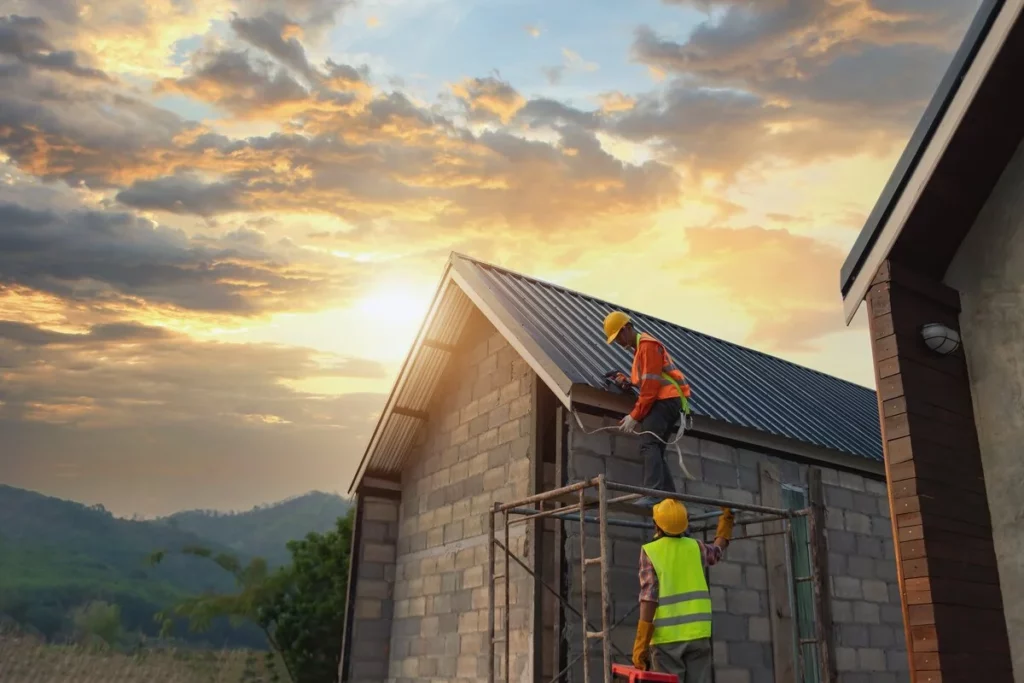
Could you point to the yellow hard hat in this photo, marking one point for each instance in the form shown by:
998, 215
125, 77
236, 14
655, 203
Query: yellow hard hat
613, 323
671, 517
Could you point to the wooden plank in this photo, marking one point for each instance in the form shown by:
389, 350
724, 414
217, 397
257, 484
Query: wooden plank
823, 596
933, 567
408, 412
937, 549
930, 506
917, 519
780, 612
946, 476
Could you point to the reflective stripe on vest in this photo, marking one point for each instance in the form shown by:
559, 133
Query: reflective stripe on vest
673, 382
684, 602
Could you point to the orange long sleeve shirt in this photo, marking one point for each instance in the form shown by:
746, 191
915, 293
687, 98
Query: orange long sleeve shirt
649, 360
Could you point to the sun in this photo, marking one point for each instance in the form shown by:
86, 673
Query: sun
394, 304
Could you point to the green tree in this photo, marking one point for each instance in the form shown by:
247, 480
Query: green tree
97, 621
300, 608
309, 612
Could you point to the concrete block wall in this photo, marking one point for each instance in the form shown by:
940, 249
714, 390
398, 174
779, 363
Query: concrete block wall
474, 450
866, 611
374, 592
865, 602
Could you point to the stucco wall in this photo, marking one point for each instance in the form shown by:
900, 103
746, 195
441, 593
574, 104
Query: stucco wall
989, 273
867, 618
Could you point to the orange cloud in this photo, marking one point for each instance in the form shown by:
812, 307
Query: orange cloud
785, 283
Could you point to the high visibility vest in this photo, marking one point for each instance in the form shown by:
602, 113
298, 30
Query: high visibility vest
684, 602
673, 382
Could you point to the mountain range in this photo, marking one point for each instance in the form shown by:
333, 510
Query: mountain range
56, 555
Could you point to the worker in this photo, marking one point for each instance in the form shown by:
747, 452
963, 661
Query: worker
663, 399
675, 603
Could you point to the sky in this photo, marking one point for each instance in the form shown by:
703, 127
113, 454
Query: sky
221, 221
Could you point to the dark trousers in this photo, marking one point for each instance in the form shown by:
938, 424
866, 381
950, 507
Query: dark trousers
663, 420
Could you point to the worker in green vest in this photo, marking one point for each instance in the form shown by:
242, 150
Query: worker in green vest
675, 604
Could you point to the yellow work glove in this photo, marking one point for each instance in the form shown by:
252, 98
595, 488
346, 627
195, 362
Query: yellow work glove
642, 645
725, 524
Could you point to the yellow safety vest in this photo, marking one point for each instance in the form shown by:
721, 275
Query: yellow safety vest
684, 602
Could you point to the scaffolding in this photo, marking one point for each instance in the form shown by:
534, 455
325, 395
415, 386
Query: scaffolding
571, 503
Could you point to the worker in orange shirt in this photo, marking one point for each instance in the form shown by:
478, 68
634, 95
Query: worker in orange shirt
660, 408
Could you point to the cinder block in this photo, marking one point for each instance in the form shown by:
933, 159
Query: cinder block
730, 627
380, 511
871, 659
749, 479
857, 522
717, 599
861, 567
717, 451
870, 546
744, 601
865, 503
509, 431
585, 465
378, 552
756, 577
836, 497
852, 635
625, 471
851, 481
897, 660
866, 613
745, 551
883, 637
726, 574
846, 659
891, 614
842, 542
721, 473
842, 611
837, 564
732, 676
885, 570
747, 655
847, 587
876, 591
881, 526
760, 629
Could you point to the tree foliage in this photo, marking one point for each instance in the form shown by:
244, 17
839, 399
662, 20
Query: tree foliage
98, 621
300, 607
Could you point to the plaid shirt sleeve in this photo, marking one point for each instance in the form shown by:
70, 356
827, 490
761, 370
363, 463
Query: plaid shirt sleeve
710, 554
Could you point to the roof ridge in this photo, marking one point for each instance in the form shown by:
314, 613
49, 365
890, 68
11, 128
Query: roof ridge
690, 330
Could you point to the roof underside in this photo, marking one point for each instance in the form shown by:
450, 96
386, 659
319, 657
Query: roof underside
730, 383
964, 140
558, 332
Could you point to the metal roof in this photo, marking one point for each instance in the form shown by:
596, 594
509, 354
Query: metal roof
731, 383
558, 332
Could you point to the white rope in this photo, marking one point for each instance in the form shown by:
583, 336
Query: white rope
674, 442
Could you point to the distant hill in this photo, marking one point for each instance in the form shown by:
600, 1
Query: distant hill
56, 555
265, 530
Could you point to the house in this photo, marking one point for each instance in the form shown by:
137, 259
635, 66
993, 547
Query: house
942, 257
497, 400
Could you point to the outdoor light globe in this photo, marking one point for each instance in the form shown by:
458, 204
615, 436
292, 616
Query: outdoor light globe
940, 338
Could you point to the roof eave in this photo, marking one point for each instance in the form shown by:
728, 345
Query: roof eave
704, 426
965, 75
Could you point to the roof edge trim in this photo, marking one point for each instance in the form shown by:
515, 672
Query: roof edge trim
482, 297
401, 378
938, 124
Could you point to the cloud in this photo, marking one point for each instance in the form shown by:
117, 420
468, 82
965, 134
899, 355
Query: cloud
277, 35
181, 194
489, 98
150, 421
23, 38
783, 281
806, 70
571, 61
109, 258
614, 102
532, 30
127, 374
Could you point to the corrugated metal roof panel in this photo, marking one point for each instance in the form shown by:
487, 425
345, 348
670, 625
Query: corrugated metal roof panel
730, 383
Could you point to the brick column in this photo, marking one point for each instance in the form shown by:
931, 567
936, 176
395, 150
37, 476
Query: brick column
368, 637
949, 584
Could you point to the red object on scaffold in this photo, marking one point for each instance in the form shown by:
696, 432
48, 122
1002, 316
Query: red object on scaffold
636, 675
